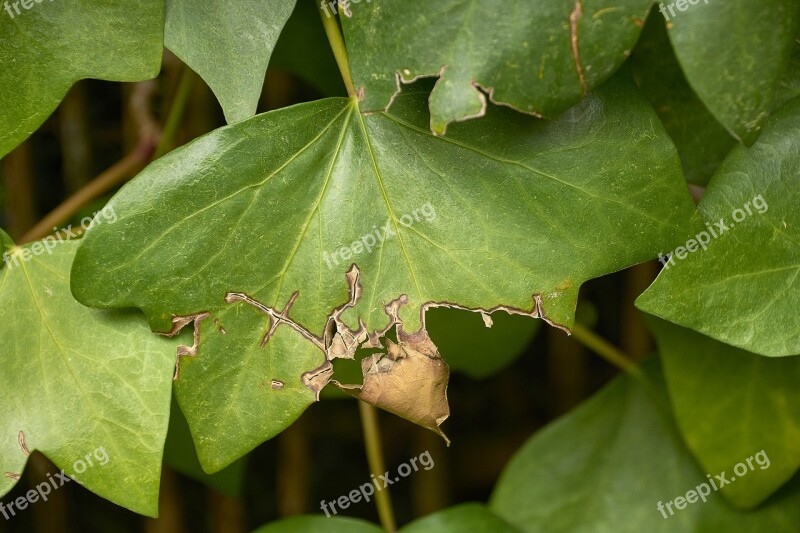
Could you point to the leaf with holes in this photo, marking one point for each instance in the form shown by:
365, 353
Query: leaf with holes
539, 56
344, 225
79, 385
228, 44
51, 45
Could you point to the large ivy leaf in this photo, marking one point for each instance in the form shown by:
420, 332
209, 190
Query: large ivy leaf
78, 381
743, 289
539, 57
507, 213
738, 82
228, 44
606, 466
51, 45
702, 142
731, 404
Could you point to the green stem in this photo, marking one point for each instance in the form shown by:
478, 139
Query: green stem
606, 350
176, 112
377, 467
339, 49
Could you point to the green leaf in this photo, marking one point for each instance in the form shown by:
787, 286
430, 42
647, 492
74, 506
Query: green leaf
228, 44
539, 56
78, 381
731, 404
470, 346
323, 524
748, 276
737, 82
472, 517
506, 213
179, 454
702, 142
606, 466
47, 48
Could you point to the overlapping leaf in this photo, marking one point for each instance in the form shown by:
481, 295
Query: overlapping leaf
506, 211
737, 82
607, 466
731, 404
744, 288
228, 44
537, 56
77, 381
51, 45
702, 142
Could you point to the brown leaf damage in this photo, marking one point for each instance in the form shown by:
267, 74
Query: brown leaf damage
574, 20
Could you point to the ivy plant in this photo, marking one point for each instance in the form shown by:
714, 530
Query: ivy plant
488, 159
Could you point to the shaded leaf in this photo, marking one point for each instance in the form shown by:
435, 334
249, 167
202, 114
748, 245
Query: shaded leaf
606, 466
737, 83
54, 44
75, 380
743, 289
228, 44
731, 404
702, 142
472, 517
507, 213
179, 454
469, 346
539, 56
323, 524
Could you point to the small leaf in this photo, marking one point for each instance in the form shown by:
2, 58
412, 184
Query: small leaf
47, 48
472, 517
738, 82
228, 44
76, 380
540, 57
731, 404
742, 288
323, 524
608, 465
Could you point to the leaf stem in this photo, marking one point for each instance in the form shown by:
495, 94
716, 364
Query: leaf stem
337, 45
606, 350
377, 466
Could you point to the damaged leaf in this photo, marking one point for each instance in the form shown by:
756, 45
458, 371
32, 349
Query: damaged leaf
539, 56
77, 381
506, 213
747, 275
44, 50
229, 45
